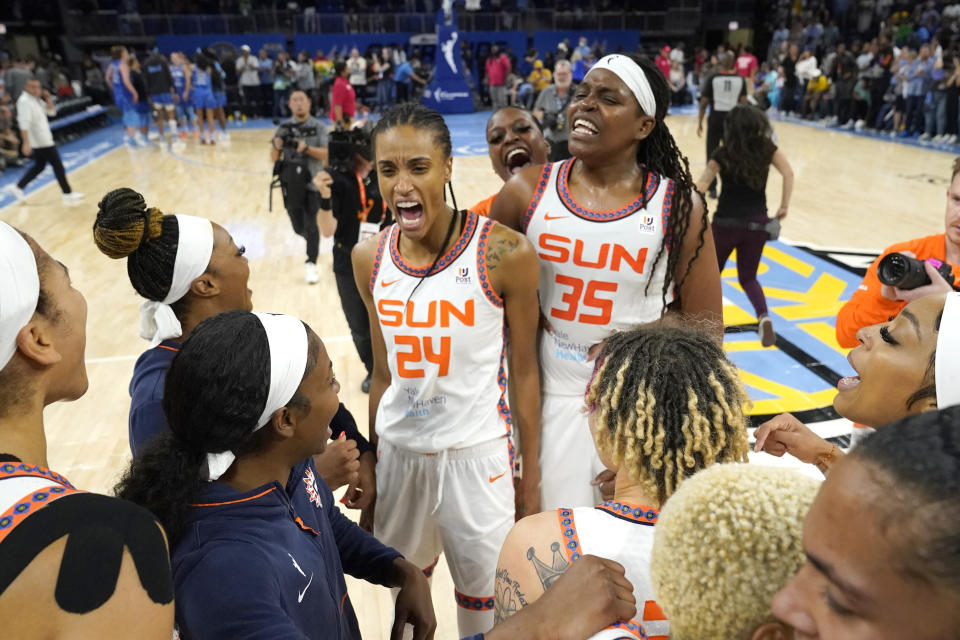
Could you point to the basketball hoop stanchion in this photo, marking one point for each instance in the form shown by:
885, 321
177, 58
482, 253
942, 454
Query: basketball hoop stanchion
448, 92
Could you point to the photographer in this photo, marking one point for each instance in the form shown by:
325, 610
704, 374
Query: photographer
299, 152
351, 209
874, 302
551, 110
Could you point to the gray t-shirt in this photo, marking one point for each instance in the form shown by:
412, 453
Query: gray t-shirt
320, 139
552, 104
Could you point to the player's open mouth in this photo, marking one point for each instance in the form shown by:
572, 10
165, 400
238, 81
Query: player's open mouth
849, 382
517, 159
584, 127
409, 213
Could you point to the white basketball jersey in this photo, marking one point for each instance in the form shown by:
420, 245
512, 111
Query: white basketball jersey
445, 345
624, 533
594, 269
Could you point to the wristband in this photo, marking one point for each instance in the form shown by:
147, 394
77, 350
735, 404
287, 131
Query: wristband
325, 203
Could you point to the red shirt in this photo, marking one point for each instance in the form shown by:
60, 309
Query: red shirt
746, 64
343, 95
497, 70
663, 63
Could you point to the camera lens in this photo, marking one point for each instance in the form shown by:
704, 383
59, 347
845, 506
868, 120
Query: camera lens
892, 269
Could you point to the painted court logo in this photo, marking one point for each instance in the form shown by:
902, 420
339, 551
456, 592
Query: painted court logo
312, 494
463, 275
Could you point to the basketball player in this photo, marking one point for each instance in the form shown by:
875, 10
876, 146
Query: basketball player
439, 285
664, 403
906, 366
160, 85
125, 96
181, 73
202, 95
190, 269
72, 564
622, 238
722, 91
217, 84
514, 141
259, 546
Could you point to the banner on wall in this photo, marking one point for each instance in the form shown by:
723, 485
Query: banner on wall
448, 92
223, 43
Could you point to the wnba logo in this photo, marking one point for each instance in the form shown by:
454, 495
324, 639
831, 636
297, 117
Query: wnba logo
463, 275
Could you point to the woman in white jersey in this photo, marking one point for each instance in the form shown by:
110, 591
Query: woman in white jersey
621, 237
664, 402
440, 285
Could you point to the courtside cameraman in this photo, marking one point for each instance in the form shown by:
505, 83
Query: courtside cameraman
351, 209
299, 152
875, 302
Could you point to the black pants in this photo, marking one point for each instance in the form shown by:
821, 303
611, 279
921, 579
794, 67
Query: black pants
266, 100
559, 151
304, 221
250, 95
354, 309
714, 135
41, 157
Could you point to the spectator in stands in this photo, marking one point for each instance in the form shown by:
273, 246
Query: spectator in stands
343, 96
678, 84
935, 110
874, 302
497, 67
383, 67
248, 68
265, 70
551, 110
402, 77
305, 77
284, 72
9, 142
94, 84
16, 78
33, 107
539, 80
677, 54
791, 83
918, 76
844, 76
663, 61
747, 65
357, 66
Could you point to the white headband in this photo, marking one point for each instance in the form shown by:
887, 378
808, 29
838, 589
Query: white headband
633, 76
287, 338
19, 289
947, 368
158, 322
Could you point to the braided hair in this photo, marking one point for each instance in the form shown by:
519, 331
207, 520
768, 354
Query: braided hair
148, 239
917, 464
667, 403
215, 391
658, 152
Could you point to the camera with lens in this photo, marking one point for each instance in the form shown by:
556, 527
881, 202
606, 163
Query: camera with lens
291, 133
903, 272
344, 146
555, 122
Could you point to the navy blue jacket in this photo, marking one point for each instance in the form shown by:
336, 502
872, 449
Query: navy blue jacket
269, 563
146, 419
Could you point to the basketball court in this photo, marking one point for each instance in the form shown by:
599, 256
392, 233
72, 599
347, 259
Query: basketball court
854, 194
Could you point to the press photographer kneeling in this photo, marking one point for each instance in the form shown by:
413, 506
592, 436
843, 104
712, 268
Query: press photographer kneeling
299, 152
351, 209
891, 282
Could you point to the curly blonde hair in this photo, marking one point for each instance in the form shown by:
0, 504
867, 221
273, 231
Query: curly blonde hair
748, 521
669, 403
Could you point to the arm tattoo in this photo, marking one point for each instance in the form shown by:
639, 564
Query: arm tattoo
549, 573
507, 598
500, 249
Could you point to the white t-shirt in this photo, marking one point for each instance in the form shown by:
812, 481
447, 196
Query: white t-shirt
32, 118
358, 70
249, 70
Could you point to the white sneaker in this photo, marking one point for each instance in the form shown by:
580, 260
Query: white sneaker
224, 136
16, 192
310, 273
952, 138
73, 196
139, 141
859, 125
924, 137
767, 336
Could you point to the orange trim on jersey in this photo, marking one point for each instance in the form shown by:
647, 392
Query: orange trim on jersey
542, 185
568, 529
305, 527
634, 628
160, 346
637, 513
652, 611
429, 570
378, 257
220, 504
566, 197
342, 600
469, 226
32, 502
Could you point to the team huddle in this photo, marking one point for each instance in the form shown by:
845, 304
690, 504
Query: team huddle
550, 407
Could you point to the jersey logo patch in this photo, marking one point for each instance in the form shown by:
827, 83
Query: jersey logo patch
387, 284
495, 478
312, 494
547, 216
646, 225
463, 275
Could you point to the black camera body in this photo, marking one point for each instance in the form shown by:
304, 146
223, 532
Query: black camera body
903, 272
345, 145
291, 133
555, 122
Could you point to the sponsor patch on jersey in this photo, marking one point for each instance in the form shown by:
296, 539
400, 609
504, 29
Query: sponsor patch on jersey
463, 275
310, 480
647, 224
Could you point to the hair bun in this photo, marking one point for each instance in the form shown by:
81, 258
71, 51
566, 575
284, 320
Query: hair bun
124, 223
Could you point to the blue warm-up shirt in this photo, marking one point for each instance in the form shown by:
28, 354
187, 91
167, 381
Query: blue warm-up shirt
269, 563
146, 418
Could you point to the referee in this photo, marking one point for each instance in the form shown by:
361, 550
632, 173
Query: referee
33, 107
722, 91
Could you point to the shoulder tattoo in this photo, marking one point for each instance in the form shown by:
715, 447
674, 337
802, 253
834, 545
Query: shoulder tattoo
500, 248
